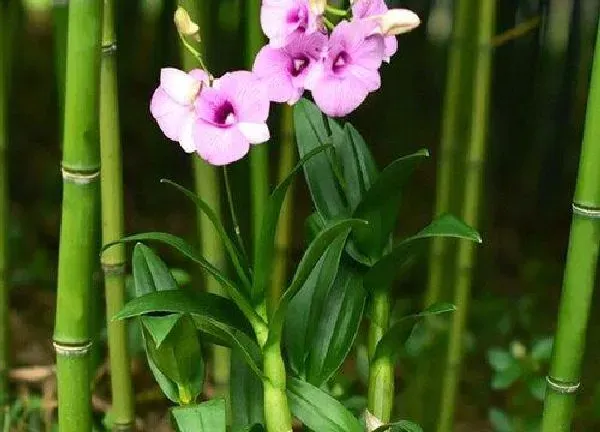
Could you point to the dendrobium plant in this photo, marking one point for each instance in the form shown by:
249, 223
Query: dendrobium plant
351, 260
339, 64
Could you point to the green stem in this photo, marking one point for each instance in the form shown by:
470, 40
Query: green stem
380, 400
4, 214
475, 158
580, 272
113, 260
206, 179
259, 154
277, 412
284, 227
76, 257
335, 11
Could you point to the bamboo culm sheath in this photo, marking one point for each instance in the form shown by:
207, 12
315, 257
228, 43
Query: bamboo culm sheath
113, 260
580, 272
79, 219
475, 159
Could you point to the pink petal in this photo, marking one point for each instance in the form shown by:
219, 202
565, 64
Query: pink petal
256, 133
186, 137
169, 115
338, 97
273, 20
369, 79
390, 47
219, 146
199, 75
272, 66
180, 86
248, 95
367, 8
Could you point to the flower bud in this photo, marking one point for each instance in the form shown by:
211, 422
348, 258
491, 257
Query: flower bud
184, 23
318, 6
397, 21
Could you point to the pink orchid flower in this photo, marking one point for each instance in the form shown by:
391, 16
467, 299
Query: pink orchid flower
231, 115
362, 9
350, 70
172, 104
282, 18
284, 70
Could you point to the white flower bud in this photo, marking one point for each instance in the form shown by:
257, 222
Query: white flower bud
318, 6
397, 21
184, 23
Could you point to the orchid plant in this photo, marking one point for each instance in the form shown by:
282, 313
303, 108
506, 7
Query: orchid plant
292, 341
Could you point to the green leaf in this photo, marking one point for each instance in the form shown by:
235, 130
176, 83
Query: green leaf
209, 416
542, 349
168, 386
159, 327
197, 304
311, 132
500, 359
255, 428
184, 248
380, 205
503, 379
246, 395
405, 253
318, 410
392, 343
150, 273
400, 426
264, 247
537, 387
337, 325
312, 255
237, 258
500, 421
358, 166
179, 358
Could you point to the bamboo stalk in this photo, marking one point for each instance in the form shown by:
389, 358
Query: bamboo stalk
4, 216
259, 154
113, 260
475, 159
580, 272
283, 237
80, 168
206, 179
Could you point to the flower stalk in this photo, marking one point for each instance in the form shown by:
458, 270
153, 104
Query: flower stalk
80, 169
113, 260
580, 272
206, 179
475, 159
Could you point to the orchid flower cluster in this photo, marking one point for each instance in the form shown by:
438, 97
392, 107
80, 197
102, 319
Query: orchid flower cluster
339, 64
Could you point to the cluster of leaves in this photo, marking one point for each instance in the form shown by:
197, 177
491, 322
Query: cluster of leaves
520, 372
350, 253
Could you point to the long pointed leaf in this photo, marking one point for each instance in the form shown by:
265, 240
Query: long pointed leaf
150, 273
237, 258
264, 248
404, 254
183, 247
209, 416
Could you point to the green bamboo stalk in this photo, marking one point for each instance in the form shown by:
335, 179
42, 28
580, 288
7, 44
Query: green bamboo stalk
4, 216
380, 395
259, 154
283, 237
80, 168
206, 179
113, 260
475, 159
277, 413
580, 272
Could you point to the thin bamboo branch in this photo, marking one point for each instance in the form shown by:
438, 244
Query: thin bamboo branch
580, 272
113, 260
475, 159
80, 168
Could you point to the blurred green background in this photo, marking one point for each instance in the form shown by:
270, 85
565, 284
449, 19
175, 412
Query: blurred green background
539, 91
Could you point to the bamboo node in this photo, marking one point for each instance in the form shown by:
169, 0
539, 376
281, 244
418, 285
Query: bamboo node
561, 386
113, 269
589, 212
71, 350
109, 48
79, 177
